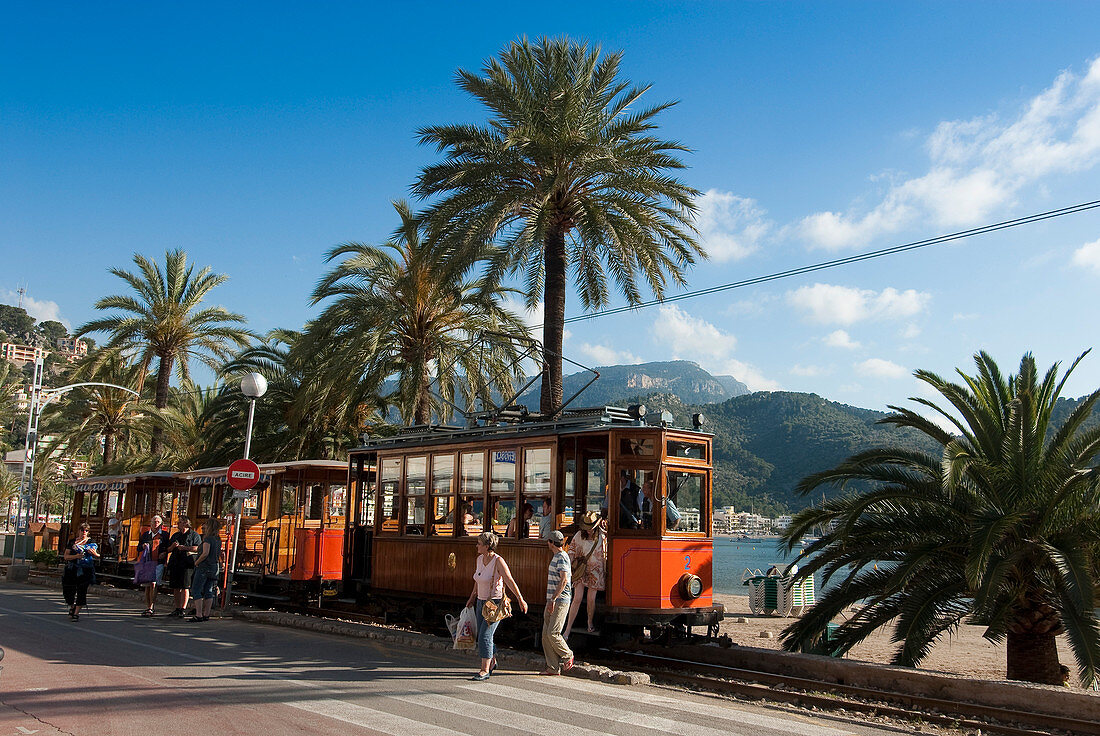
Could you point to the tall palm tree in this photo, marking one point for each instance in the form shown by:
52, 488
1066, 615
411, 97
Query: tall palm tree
409, 308
1001, 528
164, 319
567, 176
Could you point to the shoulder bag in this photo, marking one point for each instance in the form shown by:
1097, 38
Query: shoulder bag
493, 612
580, 566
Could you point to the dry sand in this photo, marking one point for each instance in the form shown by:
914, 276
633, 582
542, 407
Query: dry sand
964, 653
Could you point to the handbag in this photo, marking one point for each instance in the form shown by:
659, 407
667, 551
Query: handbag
493, 612
580, 567
145, 569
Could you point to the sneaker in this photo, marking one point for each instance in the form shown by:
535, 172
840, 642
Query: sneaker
480, 677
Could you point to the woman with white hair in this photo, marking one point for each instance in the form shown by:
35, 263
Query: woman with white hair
490, 577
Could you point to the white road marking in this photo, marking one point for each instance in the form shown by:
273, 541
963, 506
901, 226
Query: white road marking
376, 720
509, 717
792, 725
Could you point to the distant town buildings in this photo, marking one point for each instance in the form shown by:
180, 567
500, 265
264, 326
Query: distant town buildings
22, 354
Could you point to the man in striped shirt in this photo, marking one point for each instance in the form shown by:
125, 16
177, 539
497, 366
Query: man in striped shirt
559, 657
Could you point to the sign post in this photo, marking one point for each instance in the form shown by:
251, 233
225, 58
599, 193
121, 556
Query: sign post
242, 475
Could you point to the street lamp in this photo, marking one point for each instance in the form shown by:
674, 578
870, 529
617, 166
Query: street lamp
34, 414
253, 385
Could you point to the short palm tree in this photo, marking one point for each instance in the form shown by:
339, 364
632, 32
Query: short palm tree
164, 319
567, 178
1002, 528
101, 414
410, 308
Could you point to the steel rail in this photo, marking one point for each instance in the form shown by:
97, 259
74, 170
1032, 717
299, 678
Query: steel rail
930, 709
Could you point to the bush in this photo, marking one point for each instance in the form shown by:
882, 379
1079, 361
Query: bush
47, 556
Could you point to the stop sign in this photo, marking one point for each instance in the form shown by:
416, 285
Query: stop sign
243, 474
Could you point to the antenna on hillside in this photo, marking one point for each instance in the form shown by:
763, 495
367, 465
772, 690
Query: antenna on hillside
21, 291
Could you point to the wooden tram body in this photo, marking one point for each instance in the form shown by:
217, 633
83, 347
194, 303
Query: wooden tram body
394, 529
422, 497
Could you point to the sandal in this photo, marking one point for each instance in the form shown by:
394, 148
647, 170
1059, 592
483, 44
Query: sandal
480, 677
147, 613
492, 665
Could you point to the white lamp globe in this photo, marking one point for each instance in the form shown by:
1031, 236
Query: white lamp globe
253, 385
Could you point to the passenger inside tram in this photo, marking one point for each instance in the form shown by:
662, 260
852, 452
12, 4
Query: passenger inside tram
524, 526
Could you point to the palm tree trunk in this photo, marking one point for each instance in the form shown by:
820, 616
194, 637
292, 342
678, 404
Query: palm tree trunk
164, 377
108, 445
1033, 657
553, 322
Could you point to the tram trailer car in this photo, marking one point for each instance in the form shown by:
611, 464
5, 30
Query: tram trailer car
418, 501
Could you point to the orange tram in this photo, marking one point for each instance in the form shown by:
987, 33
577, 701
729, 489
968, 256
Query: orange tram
393, 531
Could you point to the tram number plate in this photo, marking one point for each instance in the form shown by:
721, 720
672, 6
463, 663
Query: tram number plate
687, 562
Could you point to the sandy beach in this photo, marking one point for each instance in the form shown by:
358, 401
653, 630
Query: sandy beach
965, 653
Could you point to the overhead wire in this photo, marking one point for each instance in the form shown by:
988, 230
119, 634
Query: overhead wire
893, 250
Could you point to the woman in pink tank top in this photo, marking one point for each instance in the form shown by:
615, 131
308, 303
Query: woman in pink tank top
490, 577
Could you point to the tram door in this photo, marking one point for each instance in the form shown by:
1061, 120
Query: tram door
360, 520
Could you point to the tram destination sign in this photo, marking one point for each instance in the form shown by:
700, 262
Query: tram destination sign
243, 474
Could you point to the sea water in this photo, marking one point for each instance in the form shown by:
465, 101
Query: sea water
732, 556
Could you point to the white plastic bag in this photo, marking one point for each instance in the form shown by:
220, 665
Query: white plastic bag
465, 631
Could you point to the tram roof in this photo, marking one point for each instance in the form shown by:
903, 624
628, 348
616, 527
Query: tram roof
117, 482
572, 422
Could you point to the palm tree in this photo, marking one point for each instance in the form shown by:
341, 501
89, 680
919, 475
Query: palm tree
101, 414
1001, 528
566, 177
409, 308
164, 321
9, 493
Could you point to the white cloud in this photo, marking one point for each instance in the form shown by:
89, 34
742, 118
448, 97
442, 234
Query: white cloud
42, 311
879, 368
599, 355
686, 337
1088, 255
730, 227
840, 339
806, 370
909, 332
977, 166
832, 304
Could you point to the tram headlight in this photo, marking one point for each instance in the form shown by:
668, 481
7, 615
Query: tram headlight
691, 587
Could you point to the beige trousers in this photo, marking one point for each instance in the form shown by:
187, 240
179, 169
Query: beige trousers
553, 643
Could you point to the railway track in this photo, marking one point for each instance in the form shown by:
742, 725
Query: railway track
849, 698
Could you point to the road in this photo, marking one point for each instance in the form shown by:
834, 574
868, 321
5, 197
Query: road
115, 673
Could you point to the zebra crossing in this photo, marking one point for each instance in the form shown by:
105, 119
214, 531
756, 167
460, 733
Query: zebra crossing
563, 707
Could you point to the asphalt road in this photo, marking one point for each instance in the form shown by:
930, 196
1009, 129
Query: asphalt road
115, 673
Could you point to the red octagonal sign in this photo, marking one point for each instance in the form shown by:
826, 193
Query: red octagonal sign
243, 474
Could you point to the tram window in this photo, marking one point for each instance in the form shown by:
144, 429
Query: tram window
503, 476
415, 487
637, 498
691, 450
596, 483
390, 510
536, 520
90, 504
366, 502
164, 503
337, 498
182, 499
315, 501
443, 500
503, 511
288, 501
471, 479
637, 446
570, 483
251, 506
684, 502
472, 511
112, 503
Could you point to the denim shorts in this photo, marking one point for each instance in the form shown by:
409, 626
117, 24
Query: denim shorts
204, 582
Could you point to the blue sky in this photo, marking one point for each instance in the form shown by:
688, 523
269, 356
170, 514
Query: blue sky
257, 137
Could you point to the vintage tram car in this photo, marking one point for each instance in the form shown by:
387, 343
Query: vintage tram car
394, 530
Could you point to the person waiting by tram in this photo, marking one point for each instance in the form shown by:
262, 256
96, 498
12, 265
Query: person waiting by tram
588, 555
207, 567
181, 563
154, 542
491, 574
79, 573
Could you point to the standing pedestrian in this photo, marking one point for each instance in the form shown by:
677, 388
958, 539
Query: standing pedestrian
207, 567
490, 576
79, 573
154, 542
559, 657
181, 563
